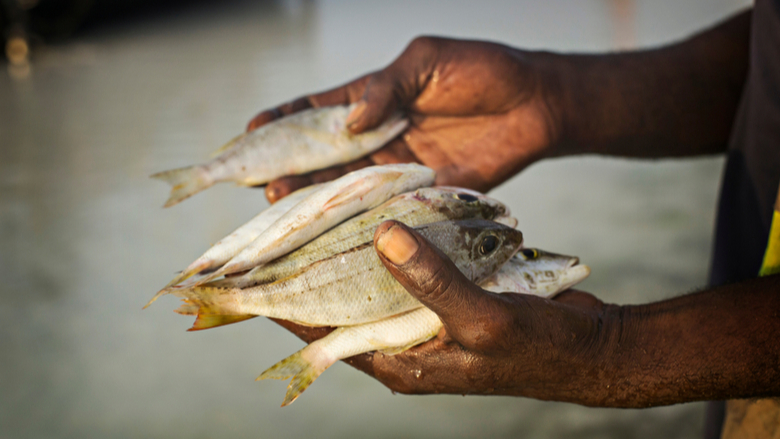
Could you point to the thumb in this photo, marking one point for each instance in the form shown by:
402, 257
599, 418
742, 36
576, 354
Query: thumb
396, 86
468, 312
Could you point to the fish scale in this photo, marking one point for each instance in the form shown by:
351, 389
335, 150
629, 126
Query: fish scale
335, 293
335, 202
423, 206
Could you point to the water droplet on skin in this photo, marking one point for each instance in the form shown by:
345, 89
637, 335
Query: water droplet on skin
418, 374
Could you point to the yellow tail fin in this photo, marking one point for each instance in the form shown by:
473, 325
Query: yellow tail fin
186, 182
303, 373
209, 300
206, 321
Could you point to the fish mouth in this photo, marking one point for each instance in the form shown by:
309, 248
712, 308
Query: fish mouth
507, 220
577, 274
572, 262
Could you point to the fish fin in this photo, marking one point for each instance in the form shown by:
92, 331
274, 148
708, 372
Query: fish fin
303, 373
187, 309
209, 300
227, 282
226, 270
226, 147
159, 294
353, 191
208, 321
398, 349
192, 270
195, 268
186, 182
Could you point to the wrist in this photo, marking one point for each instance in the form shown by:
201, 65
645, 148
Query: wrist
549, 73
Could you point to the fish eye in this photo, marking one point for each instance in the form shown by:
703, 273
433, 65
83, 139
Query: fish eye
466, 197
489, 243
530, 253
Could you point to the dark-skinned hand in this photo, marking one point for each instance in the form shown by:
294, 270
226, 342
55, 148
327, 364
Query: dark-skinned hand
478, 113
510, 344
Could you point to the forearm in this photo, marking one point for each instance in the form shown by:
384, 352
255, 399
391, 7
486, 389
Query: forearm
679, 100
712, 345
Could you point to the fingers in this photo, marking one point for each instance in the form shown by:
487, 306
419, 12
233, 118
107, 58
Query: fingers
394, 152
396, 86
473, 317
284, 186
280, 111
341, 95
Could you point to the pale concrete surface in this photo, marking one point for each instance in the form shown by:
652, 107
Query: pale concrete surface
85, 242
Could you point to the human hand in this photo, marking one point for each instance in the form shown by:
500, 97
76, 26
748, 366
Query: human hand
508, 344
479, 113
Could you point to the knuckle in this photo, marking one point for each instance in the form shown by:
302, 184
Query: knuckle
437, 281
423, 44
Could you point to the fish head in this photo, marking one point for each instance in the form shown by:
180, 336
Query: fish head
459, 203
477, 247
542, 273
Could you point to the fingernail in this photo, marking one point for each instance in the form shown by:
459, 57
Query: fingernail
356, 112
397, 245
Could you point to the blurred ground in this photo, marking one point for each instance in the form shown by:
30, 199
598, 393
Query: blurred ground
85, 242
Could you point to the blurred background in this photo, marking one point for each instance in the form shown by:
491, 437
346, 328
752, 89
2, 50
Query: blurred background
96, 95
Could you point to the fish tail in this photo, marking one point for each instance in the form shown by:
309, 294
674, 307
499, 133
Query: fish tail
302, 371
229, 268
208, 321
209, 300
194, 268
186, 182
187, 309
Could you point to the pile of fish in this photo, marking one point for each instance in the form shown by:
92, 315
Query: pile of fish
310, 259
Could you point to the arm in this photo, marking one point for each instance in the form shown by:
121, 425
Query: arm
678, 100
481, 112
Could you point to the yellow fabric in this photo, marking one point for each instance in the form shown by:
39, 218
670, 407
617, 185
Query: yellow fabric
758, 418
771, 263
752, 419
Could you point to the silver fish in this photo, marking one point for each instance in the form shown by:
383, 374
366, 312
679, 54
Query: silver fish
423, 206
396, 334
353, 287
333, 203
537, 272
299, 143
229, 246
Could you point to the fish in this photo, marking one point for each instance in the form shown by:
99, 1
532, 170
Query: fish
538, 272
423, 206
338, 200
353, 287
301, 142
229, 246
399, 333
